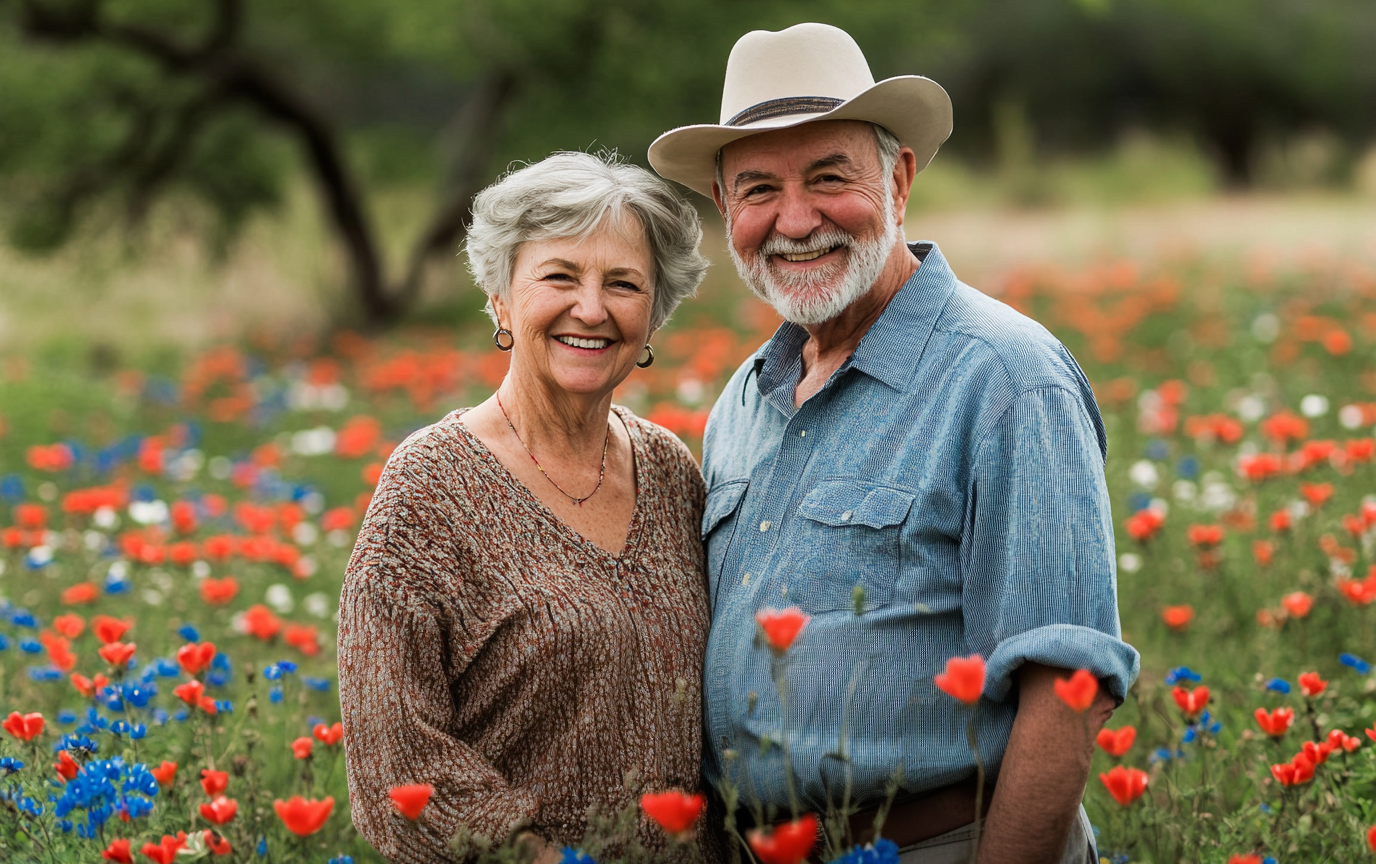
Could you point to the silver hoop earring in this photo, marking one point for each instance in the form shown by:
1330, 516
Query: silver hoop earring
497, 339
649, 360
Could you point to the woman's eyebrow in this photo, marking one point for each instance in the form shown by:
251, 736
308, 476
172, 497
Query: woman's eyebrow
560, 262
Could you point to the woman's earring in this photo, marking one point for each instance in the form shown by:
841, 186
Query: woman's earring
497, 339
649, 358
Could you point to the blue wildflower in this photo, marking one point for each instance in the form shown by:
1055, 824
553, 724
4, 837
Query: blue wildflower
880, 852
4, 641
272, 672
189, 633
45, 673
275, 695
160, 717
569, 855
1182, 673
1278, 685
1361, 666
12, 487
24, 618
65, 717
319, 685
1187, 467
224, 706
138, 694
1158, 449
30, 646
77, 744
10, 765
165, 668
65, 825
262, 846
342, 859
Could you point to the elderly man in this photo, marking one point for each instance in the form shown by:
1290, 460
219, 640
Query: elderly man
905, 443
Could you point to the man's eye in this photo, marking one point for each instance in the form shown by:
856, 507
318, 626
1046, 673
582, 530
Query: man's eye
756, 190
830, 178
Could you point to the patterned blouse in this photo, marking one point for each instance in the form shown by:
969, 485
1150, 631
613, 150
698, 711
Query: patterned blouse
527, 674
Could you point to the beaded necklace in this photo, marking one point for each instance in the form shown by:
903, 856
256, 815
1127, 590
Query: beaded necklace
600, 474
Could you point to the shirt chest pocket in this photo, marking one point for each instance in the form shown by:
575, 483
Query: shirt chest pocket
849, 535
718, 527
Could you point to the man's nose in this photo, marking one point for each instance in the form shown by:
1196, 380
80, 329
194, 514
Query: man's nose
797, 218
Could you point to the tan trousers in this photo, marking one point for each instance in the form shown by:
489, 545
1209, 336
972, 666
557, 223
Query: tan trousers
954, 847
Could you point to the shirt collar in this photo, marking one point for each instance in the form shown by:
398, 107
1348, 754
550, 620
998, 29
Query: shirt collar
890, 351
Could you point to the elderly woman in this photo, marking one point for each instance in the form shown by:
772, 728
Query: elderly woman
524, 615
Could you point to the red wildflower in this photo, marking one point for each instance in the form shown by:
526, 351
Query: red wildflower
216, 592
190, 692
963, 679
1359, 592
790, 843
1143, 525
1311, 684
1276, 722
303, 637
25, 727
1280, 520
1340, 740
30, 516
1126, 785
1317, 753
117, 654
118, 851
1078, 691
218, 548
1260, 466
303, 816
165, 851
328, 735
214, 782
1297, 603
1284, 427
66, 766
260, 623
183, 516
338, 519
1316, 493
1116, 742
88, 687
1245, 859
1191, 701
196, 656
301, 748
216, 844
220, 810
410, 799
69, 625
1360, 449
1178, 617
1371, 837
1263, 551
674, 811
164, 773
1205, 536
109, 629
781, 627
82, 592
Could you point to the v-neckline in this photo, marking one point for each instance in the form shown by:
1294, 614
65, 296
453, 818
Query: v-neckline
633, 530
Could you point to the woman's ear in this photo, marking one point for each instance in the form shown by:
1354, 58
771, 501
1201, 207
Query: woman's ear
499, 309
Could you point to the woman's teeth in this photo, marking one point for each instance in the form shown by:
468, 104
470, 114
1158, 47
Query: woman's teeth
798, 257
584, 343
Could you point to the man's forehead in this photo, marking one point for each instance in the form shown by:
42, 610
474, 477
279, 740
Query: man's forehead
785, 150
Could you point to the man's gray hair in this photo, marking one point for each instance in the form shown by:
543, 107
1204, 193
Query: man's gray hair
886, 141
573, 195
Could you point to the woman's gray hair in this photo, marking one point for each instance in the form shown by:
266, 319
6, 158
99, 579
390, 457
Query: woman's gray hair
572, 195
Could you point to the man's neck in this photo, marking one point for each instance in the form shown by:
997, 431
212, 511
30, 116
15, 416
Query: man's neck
831, 342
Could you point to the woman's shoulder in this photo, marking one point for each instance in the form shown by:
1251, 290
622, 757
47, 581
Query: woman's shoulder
666, 453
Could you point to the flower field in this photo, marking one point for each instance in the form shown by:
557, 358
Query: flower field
173, 537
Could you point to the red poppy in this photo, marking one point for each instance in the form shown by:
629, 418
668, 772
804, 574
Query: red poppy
1296, 771
216, 844
118, 851
208, 705
164, 773
674, 811
1311, 684
781, 627
1205, 536
196, 656
1143, 525
1361, 449
190, 692
1276, 722
1245, 859
165, 851
66, 766
963, 679
260, 623
1371, 837
1284, 427
88, 687
1316, 493
787, 844
184, 516
69, 625
1178, 617
1280, 520
25, 727
1078, 691
214, 782
218, 548
216, 592
410, 800
303, 637
30, 515
220, 810
59, 651
108, 629
303, 816
1126, 785
1191, 701
1263, 551
301, 748
1318, 753
1297, 603
328, 735
1116, 742
1340, 740
82, 592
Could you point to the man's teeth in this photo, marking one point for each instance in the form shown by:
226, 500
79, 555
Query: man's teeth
805, 256
584, 343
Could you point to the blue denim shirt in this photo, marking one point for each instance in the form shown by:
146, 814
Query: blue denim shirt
954, 468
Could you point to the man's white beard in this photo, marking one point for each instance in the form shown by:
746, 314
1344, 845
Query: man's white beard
802, 298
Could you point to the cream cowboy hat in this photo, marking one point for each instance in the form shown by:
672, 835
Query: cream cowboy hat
809, 72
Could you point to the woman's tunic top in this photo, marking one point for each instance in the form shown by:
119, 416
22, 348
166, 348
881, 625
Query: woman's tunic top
527, 674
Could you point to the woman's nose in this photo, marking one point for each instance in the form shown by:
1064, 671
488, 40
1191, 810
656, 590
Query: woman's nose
588, 305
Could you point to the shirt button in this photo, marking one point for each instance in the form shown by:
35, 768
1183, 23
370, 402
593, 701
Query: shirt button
845, 517
764, 526
802, 434
745, 580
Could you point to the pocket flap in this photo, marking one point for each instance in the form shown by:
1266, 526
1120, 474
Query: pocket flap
852, 502
722, 502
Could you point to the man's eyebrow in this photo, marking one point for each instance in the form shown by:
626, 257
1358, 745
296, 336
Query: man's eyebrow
750, 177
830, 161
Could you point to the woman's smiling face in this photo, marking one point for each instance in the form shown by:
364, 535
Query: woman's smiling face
579, 309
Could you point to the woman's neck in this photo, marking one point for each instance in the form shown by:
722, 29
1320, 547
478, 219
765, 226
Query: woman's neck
554, 421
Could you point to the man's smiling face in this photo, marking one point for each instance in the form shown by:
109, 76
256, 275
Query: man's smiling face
810, 215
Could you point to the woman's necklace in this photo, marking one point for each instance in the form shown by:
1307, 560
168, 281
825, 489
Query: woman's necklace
600, 474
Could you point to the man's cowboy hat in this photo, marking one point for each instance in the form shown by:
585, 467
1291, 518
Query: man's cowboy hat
776, 80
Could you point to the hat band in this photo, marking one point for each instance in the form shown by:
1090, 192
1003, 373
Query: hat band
785, 107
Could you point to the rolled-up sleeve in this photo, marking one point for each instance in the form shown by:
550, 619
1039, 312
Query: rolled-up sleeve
1039, 571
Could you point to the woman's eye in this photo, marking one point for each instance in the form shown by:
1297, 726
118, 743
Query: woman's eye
558, 277
631, 286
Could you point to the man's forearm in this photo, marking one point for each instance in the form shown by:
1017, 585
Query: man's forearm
1042, 779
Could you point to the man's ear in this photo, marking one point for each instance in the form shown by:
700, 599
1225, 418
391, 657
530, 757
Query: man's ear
717, 199
904, 172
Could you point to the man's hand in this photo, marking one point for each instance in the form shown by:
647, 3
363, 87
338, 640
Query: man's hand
1044, 772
